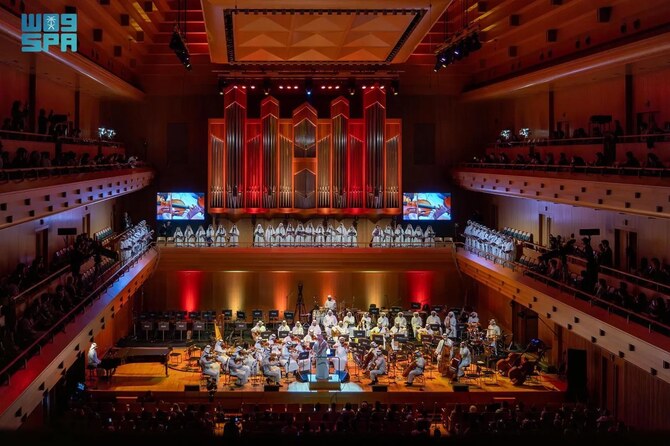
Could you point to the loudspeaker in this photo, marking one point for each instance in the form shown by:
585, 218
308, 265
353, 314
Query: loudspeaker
576, 374
604, 14
460, 387
67, 231
552, 35
380, 388
271, 388
191, 388
593, 231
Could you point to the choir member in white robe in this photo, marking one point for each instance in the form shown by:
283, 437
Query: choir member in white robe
290, 235
418, 237
341, 235
200, 236
352, 237
209, 235
319, 236
388, 236
189, 236
269, 235
408, 236
429, 237
178, 238
259, 236
299, 235
377, 235
220, 236
280, 235
309, 234
234, 236
398, 236
330, 234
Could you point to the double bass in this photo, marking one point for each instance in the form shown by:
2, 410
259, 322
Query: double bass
445, 359
452, 370
505, 365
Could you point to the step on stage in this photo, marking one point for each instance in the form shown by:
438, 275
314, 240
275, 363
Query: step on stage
133, 380
334, 382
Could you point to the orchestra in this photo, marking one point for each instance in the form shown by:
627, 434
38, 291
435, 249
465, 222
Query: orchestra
332, 344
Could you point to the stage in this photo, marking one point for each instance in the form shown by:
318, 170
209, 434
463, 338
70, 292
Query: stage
184, 383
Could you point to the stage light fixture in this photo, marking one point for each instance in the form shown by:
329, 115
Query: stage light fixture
223, 83
266, 86
395, 87
352, 87
308, 87
178, 45
456, 49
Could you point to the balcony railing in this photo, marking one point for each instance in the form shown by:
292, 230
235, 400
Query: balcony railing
652, 324
35, 173
105, 282
591, 170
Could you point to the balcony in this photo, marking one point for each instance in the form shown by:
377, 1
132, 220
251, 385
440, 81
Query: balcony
641, 191
642, 343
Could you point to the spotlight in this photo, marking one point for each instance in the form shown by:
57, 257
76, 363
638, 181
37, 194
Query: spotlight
223, 83
266, 86
308, 87
178, 45
395, 87
352, 87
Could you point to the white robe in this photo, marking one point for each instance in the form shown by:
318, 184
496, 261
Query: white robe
290, 235
418, 237
234, 236
388, 236
341, 236
280, 235
330, 234
189, 236
319, 236
397, 236
377, 235
352, 237
429, 237
209, 235
269, 236
309, 234
409, 236
259, 236
178, 237
220, 236
300, 235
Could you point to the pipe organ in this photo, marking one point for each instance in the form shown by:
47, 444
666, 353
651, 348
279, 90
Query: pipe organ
304, 164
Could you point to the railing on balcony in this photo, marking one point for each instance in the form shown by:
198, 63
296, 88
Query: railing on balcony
104, 282
650, 323
542, 142
554, 168
34, 173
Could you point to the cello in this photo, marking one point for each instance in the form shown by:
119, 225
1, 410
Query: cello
443, 365
452, 370
409, 368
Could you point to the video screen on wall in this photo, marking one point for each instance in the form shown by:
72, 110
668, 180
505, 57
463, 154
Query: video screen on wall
427, 206
180, 206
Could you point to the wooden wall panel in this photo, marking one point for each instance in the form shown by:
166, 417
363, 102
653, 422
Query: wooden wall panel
14, 88
197, 290
653, 234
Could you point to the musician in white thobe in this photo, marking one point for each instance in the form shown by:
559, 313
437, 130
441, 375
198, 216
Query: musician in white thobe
466, 359
377, 235
330, 303
319, 236
300, 235
329, 233
416, 323
315, 328
450, 325
418, 369
340, 359
383, 319
93, 360
408, 236
297, 329
400, 319
350, 323
280, 235
269, 235
447, 343
398, 236
388, 237
329, 321
434, 319
209, 365
290, 235
309, 234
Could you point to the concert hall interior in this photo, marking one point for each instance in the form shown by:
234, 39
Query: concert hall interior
243, 218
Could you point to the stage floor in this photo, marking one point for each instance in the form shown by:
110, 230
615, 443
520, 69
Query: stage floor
136, 379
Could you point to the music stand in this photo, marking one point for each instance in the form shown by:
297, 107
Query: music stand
273, 315
283, 334
198, 326
147, 326
241, 316
359, 333
180, 326
379, 339
163, 326
415, 305
257, 315
289, 316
